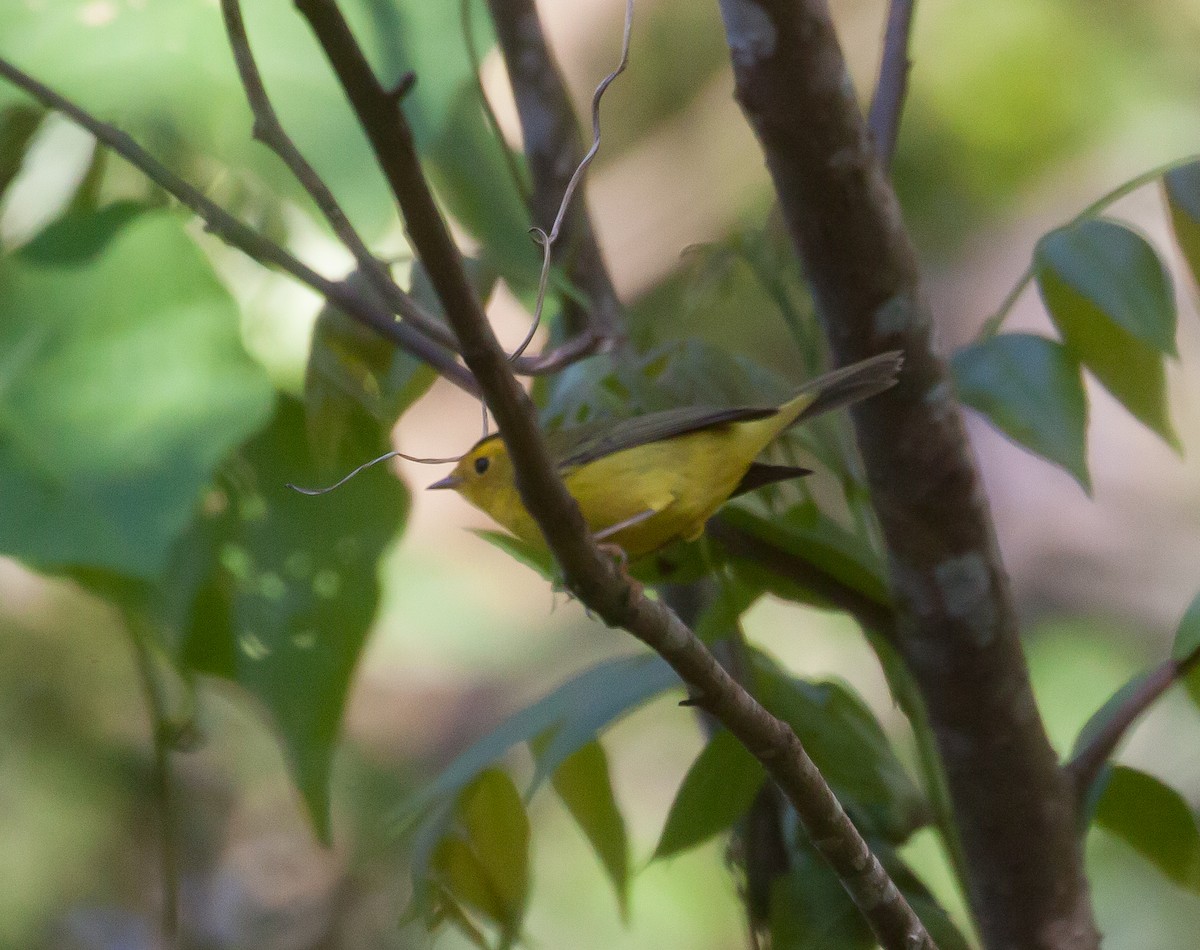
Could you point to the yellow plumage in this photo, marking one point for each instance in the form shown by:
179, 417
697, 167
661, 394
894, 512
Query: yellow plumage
644, 483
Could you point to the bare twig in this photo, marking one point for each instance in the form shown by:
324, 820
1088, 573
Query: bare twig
390, 138
957, 628
1087, 763
269, 130
892, 87
555, 155
160, 729
229, 229
596, 580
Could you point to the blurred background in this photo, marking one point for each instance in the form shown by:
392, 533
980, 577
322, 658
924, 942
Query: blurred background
1019, 115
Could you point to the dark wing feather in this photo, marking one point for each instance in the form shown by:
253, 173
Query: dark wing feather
583, 444
760, 474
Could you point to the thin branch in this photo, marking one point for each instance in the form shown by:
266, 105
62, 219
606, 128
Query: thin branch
269, 130
160, 732
391, 141
595, 579
555, 155
366, 309
892, 87
1087, 763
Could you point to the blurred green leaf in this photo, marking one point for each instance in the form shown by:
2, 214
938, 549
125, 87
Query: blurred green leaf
447, 910
810, 910
583, 783
286, 611
1187, 644
1187, 635
18, 123
1110, 297
849, 747
122, 385
807, 532
571, 715
532, 556
1154, 820
1182, 188
1031, 389
715, 793
462, 874
351, 370
1099, 720
497, 828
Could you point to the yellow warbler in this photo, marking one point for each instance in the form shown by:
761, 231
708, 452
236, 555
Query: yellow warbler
643, 482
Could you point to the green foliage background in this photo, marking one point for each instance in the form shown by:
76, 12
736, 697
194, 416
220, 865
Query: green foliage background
156, 392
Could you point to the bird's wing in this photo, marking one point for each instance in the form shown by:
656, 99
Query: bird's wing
578, 446
760, 474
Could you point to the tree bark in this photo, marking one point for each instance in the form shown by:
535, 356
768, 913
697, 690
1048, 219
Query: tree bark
956, 625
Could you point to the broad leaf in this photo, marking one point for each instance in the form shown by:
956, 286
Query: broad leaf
286, 611
1114, 270
1031, 389
123, 383
1110, 297
497, 829
808, 533
583, 783
1182, 188
353, 370
715, 793
1154, 820
849, 747
572, 715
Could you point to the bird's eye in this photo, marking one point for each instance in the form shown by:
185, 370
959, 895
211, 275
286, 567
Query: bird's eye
481, 466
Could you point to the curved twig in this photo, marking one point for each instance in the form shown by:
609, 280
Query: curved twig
270, 131
547, 240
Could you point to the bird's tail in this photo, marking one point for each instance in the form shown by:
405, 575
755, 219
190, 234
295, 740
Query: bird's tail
847, 385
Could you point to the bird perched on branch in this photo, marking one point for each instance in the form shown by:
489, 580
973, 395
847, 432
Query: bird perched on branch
641, 483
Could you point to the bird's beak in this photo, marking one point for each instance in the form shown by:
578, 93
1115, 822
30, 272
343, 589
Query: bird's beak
450, 481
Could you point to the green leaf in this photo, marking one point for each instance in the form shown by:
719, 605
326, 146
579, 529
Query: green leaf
809, 533
1187, 645
1099, 720
531, 555
583, 783
462, 873
1182, 188
286, 611
716, 792
1187, 635
572, 715
810, 910
849, 747
18, 123
1154, 820
1115, 270
1110, 297
1031, 389
497, 828
123, 383
354, 370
